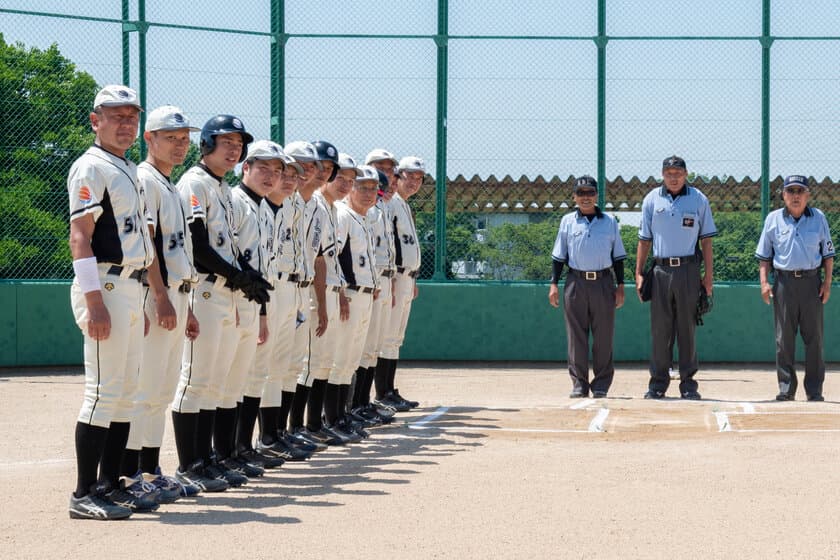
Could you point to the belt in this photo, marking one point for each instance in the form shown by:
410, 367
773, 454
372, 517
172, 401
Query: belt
185, 287
305, 283
388, 273
675, 261
213, 279
590, 274
124, 272
334, 288
799, 273
294, 277
409, 273
362, 289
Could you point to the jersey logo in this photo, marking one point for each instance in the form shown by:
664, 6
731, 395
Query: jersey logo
109, 286
196, 206
205, 295
84, 195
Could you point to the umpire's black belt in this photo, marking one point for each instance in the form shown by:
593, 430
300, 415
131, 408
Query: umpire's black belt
589, 274
409, 273
362, 289
676, 261
122, 272
799, 273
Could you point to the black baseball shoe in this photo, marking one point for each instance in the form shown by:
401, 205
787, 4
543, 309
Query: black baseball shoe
220, 472
282, 450
357, 417
96, 506
330, 437
301, 436
691, 396
656, 395
197, 476
136, 503
412, 404
351, 426
243, 467
389, 403
370, 410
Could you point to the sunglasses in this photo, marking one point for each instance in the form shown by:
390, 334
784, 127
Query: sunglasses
586, 192
796, 190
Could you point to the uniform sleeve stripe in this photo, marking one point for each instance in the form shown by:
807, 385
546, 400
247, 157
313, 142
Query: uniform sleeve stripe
86, 209
643, 238
763, 258
617, 259
713, 234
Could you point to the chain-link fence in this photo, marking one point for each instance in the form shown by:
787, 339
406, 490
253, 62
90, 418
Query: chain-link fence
507, 101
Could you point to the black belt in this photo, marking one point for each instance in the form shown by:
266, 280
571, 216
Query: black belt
409, 273
212, 279
590, 274
185, 287
799, 273
305, 283
117, 270
362, 289
676, 261
387, 273
334, 288
290, 277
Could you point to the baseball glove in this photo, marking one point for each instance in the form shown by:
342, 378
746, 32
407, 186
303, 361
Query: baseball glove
704, 305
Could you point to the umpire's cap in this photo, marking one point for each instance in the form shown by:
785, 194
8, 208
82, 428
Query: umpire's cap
673, 162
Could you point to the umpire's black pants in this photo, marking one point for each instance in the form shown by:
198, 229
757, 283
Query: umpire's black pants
673, 309
589, 306
797, 306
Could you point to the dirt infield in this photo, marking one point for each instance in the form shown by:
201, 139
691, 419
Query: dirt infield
498, 463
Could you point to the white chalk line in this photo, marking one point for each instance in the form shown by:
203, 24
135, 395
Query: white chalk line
582, 404
723, 421
747, 407
597, 424
430, 418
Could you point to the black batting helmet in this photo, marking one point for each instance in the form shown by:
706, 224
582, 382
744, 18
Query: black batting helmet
223, 124
327, 152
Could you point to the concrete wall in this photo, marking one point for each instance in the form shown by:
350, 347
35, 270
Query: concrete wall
448, 322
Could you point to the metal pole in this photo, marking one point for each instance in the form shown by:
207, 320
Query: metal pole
766, 43
126, 44
141, 81
442, 42
278, 70
601, 43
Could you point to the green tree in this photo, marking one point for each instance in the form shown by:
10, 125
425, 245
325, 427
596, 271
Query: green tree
44, 127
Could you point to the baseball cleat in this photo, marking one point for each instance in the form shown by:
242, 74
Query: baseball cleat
261, 459
137, 504
651, 394
330, 436
220, 472
301, 438
96, 506
371, 411
412, 404
196, 476
243, 467
169, 490
283, 451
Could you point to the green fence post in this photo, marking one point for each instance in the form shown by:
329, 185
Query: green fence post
442, 42
142, 27
601, 43
766, 43
278, 71
126, 43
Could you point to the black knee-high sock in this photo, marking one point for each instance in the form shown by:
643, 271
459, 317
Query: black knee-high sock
224, 432
90, 442
315, 405
381, 378
392, 372
269, 418
365, 396
288, 397
204, 435
248, 409
298, 406
185, 429
343, 397
130, 462
149, 459
359, 387
109, 465
330, 403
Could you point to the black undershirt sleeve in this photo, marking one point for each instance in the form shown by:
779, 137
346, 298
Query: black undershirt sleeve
618, 269
206, 259
556, 270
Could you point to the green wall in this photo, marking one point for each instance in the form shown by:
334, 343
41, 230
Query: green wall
505, 322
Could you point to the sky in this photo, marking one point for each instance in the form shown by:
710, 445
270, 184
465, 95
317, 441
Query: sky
515, 106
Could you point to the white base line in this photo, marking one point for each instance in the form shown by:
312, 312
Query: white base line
782, 412
792, 430
748, 408
597, 424
497, 429
723, 422
420, 424
582, 404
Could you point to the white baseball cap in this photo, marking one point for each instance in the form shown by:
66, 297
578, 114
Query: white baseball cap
346, 161
412, 163
265, 150
115, 96
301, 151
168, 117
378, 154
367, 173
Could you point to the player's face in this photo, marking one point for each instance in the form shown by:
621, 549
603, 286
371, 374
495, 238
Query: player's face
585, 200
674, 178
310, 172
409, 183
263, 175
387, 167
169, 146
115, 127
796, 198
363, 194
342, 184
289, 182
325, 171
226, 154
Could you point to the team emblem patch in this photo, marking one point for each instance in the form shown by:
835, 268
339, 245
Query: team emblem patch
109, 286
123, 93
331, 152
237, 123
688, 222
196, 205
205, 295
84, 194
178, 118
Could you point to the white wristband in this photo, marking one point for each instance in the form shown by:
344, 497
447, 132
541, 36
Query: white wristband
87, 274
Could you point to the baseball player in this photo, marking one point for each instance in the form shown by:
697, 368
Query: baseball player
355, 247
261, 174
166, 296
796, 243
677, 222
223, 144
589, 241
283, 211
110, 245
412, 170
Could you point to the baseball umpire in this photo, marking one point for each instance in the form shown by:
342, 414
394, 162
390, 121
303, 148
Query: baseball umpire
796, 243
677, 222
590, 243
111, 247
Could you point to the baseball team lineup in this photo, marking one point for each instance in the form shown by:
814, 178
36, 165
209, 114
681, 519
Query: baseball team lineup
265, 316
